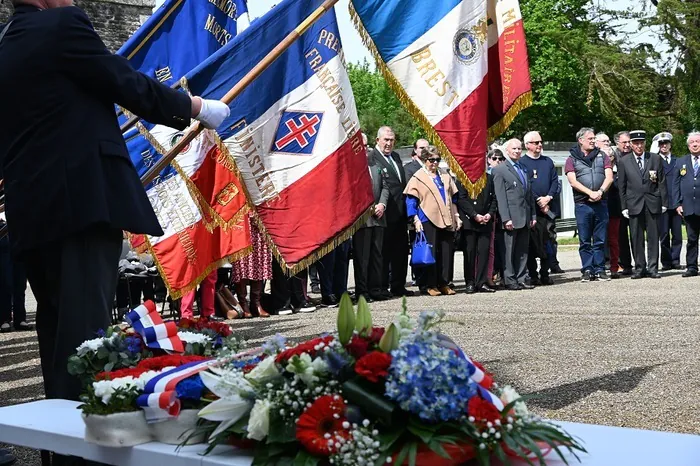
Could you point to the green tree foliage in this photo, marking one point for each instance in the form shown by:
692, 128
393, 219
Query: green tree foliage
377, 105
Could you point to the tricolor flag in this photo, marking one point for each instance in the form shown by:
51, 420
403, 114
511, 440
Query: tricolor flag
199, 199
294, 132
156, 332
459, 66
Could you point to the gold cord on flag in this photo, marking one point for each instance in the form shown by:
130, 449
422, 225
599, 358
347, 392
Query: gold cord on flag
521, 103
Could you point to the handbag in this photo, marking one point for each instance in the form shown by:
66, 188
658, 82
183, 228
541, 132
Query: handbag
422, 253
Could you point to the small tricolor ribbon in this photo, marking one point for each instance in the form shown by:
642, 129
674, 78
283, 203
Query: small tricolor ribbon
159, 400
477, 374
155, 332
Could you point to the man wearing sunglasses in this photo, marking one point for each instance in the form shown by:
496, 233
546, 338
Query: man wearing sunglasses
545, 187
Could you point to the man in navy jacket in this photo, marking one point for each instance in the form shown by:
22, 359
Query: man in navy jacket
686, 199
69, 182
670, 224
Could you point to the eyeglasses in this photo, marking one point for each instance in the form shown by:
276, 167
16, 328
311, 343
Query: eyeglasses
502, 159
437, 160
537, 143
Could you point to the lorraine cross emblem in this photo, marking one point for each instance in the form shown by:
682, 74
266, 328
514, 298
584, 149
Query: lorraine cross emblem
297, 132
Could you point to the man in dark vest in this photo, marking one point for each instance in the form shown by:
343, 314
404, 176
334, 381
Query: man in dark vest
686, 199
69, 182
589, 172
644, 197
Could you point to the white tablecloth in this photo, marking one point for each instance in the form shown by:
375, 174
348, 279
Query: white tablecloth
56, 425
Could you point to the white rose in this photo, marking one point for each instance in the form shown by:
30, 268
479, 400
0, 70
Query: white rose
264, 372
508, 395
103, 390
259, 421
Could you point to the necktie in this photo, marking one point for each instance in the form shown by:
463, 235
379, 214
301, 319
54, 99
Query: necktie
390, 161
639, 162
518, 168
696, 164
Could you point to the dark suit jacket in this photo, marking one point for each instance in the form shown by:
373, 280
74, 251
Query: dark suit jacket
380, 189
396, 207
411, 168
637, 189
65, 162
515, 201
670, 175
484, 203
686, 187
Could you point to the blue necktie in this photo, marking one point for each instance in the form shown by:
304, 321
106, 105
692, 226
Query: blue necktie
696, 165
521, 174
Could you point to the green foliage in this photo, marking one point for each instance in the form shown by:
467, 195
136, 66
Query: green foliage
123, 400
377, 106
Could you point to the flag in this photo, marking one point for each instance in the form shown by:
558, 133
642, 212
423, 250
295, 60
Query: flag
199, 198
156, 332
458, 66
294, 132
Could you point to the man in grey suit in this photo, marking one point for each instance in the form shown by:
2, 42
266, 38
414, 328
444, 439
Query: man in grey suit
367, 241
517, 212
644, 197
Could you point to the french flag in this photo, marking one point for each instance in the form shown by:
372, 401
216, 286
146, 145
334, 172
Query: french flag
294, 132
156, 332
459, 66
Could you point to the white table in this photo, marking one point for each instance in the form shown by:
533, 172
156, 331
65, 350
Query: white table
56, 425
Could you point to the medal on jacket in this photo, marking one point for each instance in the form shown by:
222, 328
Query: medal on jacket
652, 176
683, 170
534, 174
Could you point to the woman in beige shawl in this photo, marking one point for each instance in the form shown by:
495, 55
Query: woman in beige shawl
429, 203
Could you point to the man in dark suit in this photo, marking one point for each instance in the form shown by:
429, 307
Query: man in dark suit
622, 149
395, 243
517, 211
670, 223
479, 214
415, 164
686, 200
367, 242
644, 197
64, 160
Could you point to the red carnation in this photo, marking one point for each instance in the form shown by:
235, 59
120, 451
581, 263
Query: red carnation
325, 416
482, 410
357, 347
170, 360
376, 335
373, 366
131, 371
305, 347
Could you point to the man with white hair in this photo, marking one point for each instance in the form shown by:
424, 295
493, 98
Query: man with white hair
517, 211
395, 241
686, 199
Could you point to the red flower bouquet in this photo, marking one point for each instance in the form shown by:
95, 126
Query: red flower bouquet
373, 366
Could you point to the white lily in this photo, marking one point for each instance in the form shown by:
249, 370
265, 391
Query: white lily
231, 406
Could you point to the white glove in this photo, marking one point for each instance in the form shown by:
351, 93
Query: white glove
663, 209
626, 213
213, 113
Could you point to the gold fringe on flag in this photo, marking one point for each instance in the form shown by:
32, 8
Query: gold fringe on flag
521, 103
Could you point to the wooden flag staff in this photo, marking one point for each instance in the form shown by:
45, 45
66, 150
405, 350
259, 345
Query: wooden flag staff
255, 72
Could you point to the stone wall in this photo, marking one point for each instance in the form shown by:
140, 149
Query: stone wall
114, 20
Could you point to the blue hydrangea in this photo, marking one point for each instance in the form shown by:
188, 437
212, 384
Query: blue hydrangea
133, 344
241, 363
274, 345
101, 333
429, 381
190, 388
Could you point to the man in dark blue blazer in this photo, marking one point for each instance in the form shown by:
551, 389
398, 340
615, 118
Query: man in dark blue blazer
69, 182
686, 199
670, 223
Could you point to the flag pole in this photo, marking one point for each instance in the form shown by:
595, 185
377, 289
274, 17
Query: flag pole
256, 71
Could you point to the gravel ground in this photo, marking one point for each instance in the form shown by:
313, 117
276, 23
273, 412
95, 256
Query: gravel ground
621, 353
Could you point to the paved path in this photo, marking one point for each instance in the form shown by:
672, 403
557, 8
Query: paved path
621, 353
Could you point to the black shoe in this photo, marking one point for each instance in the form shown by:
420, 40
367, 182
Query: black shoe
471, 289
627, 272
5, 327
305, 307
377, 297
329, 301
285, 310
486, 289
653, 275
556, 269
525, 286
637, 276
513, 287
690, 273
316, 289
678, 267
614, 275
535, 282
402, 292
603, 277
587, 276
6, 458
386, 295
546, 281
666, 268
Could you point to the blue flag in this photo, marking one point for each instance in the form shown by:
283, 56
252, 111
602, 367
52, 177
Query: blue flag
179, 36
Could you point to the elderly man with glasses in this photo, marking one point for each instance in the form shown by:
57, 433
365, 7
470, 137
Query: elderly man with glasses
545, 187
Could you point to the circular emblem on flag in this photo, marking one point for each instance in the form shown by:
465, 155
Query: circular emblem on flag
174, 140
467, 46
